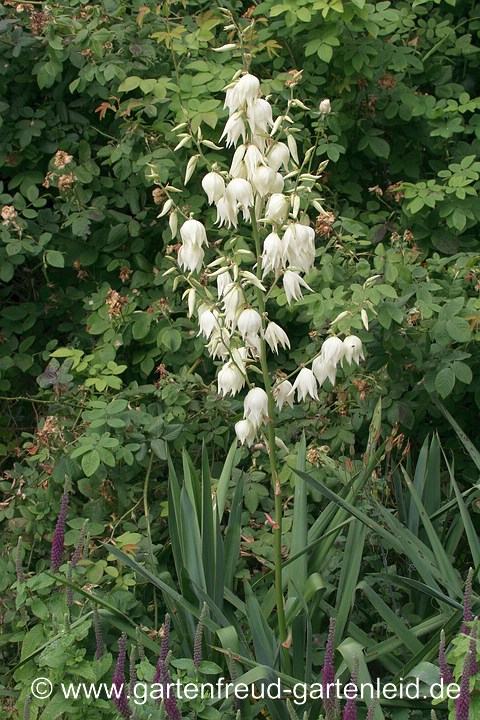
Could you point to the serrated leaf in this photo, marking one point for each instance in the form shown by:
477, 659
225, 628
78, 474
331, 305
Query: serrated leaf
445, 382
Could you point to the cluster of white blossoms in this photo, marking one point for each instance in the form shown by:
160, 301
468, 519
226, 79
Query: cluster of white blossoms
234, 329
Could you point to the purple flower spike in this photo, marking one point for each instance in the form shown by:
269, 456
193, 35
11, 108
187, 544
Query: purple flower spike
59, 534
473, 650
467, 604
197, 645
18, 563
445, 672
462, 705
118, 680
78, 552
328, 672
100, 647
164, 646
350, 709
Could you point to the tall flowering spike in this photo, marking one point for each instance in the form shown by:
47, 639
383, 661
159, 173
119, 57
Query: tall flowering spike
18, 562
233, 677
371, 709
350, 709
140, 648
445, 672
197, 645
328, 672
467, 604
132, 670
164, 647
118, 680
473, 649
69, 589
80, 546
99, 644
26, 707
462, 705
59, 534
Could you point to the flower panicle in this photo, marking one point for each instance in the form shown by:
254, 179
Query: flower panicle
197, 645
59, 534
118, 681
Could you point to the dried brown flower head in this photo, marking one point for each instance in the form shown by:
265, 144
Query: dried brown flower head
61, 159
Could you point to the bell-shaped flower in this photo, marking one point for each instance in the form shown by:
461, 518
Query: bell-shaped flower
263, 180
224, 279
240, 191
218, 346
278, 155
325, 108
272, 256
214, 187
259, 116
255, 406
277, 208
292, 284
233, 300
208, 320
249, 323
325, 365
193, 232
234, 129
283, 393
299, 246
252, 159
190, 257
247, 89
275, 335
230, 380
245, 432
226, 213
237, 168
333, 350
353, 349
305, 384
279, 184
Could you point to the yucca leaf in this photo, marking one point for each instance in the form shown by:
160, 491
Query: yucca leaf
351, 563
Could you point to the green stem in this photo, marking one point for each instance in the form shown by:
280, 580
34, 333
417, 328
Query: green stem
272, 453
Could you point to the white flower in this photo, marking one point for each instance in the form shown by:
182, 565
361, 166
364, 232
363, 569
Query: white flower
279, 184
277, 208
237, 168
230, 379
353, 349
292, 284
299, 246
217, 347
325, 365
249, 323
190, 257
234, 128
214, 186
278, 155
240, 191
245, 432
253, 157
263, 180
305, 384
325, 107
272, 256
259, 116
226, 213
333, 350
255, 406
283, 393
233, 299
247, 89
193, 232
223, 281
274, 335
208, 320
